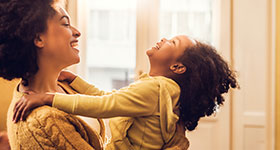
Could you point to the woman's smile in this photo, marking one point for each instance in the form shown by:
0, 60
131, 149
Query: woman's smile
75, 44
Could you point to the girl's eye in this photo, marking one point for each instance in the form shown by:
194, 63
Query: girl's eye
173, 42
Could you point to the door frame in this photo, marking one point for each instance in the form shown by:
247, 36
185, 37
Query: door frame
277, 45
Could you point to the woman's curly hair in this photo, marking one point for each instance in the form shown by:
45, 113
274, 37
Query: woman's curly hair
20, 23
207, 77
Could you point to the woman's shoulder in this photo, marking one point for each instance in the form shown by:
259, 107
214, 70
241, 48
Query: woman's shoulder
44, 113
41, 117
40, 112
49, 126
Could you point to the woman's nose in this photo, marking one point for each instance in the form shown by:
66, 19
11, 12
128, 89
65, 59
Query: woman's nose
76, 32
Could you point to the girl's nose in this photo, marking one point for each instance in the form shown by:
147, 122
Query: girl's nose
158, 43
163, 40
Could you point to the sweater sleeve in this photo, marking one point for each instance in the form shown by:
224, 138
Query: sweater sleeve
138, 99
53, 129
83, 87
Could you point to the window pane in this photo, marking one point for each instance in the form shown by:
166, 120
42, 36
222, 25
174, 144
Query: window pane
189, 17
111, 49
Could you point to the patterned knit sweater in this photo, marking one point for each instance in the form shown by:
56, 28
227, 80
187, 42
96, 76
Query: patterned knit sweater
48, 128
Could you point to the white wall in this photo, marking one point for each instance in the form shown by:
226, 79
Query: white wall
253, 55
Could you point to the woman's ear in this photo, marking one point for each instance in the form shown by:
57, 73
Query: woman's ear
178, 68
39, 42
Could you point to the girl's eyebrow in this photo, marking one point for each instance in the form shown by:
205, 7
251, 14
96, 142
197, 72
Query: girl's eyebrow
179, 40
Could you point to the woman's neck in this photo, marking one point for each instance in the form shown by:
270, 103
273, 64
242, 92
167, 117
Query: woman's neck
45, 80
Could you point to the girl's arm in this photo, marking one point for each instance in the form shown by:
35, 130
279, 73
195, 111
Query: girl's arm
139, 99
80, 85
83, 87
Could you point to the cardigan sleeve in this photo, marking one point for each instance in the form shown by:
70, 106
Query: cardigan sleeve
53, 129
138, 99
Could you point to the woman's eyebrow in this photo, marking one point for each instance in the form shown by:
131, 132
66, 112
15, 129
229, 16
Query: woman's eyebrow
65, 17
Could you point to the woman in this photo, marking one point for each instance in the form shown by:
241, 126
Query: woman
37, 41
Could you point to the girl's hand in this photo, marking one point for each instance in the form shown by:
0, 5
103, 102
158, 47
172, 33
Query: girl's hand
66, 76
29, 102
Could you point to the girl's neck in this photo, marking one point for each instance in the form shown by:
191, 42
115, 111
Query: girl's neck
168, 74
156, 72
164, 73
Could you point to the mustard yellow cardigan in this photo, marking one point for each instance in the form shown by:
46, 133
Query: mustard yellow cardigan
145, 112
48, 128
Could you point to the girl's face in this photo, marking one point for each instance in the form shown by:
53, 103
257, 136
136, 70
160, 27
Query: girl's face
166, 52
58, 45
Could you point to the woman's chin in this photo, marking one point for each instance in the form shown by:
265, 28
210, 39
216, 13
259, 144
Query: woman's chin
77, 60
73, 62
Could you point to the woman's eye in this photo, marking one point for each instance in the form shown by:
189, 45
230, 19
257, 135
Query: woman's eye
66, 24
173, 42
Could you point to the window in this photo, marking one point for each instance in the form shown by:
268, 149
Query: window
111, 43
189, 17
111, 39
119, 32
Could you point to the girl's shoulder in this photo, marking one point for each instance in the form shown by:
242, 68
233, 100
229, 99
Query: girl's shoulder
166, 82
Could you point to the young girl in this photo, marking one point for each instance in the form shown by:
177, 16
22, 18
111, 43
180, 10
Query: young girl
186, 81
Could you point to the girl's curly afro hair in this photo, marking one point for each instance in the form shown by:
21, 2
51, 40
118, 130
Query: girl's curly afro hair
20, 23
207, 77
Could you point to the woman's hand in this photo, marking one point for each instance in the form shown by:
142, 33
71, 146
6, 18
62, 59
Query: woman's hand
30, 101
66, 76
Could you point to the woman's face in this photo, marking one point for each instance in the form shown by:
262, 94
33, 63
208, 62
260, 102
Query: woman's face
167, 52
58, 45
